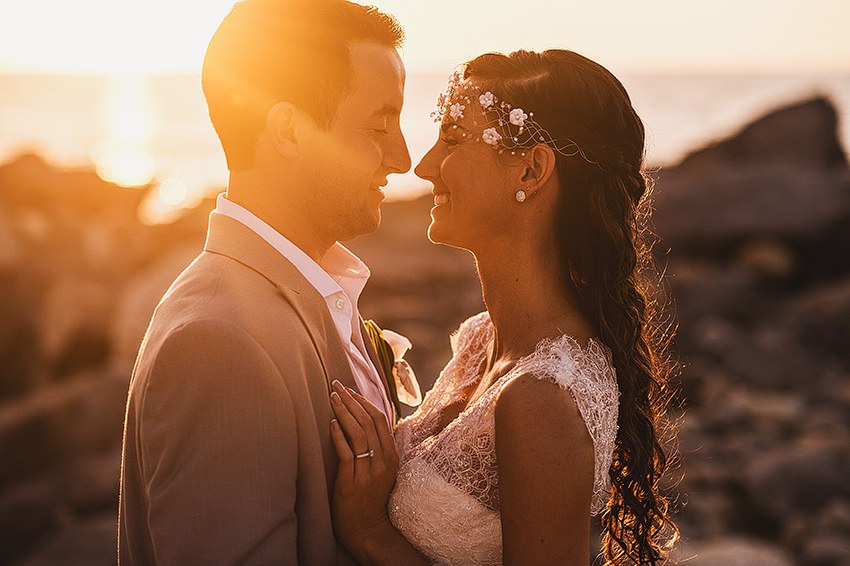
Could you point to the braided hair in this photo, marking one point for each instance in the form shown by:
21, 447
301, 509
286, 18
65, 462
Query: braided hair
601, 238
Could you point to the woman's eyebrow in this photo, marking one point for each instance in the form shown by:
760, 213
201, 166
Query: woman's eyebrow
445, 126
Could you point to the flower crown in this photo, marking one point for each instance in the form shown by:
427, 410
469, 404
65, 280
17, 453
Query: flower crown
504, 127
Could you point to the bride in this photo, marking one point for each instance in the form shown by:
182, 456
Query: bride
549, 411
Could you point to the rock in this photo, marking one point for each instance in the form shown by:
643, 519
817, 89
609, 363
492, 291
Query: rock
28, 182
81, 416
71, 324
91, 482
10, 250
802, 133
705, 289
783, 176
766, 257
22, 362
137, 300
827, 551
735, 552
827, 539
798, 479
763, 355
27, 512
93, 542
822, 316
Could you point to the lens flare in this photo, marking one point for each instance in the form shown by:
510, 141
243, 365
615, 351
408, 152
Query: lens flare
172, 191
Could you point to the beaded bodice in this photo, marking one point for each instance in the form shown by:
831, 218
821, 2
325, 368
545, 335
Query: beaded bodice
446, 499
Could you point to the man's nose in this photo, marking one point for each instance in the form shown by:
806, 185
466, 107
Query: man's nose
397, 157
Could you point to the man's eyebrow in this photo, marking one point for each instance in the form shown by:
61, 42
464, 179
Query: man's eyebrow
387, 110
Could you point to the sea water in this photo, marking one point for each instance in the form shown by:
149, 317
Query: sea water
154, 130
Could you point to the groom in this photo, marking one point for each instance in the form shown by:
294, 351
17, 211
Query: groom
227, 451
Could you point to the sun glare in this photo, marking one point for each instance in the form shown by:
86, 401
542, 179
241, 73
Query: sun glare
125, 156
107, 36
129, 42
126, 168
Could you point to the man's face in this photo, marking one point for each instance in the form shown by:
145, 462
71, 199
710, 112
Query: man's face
350, 162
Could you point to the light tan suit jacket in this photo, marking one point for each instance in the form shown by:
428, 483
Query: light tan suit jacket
227, 451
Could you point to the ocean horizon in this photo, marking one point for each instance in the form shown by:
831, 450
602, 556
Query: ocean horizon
154, 130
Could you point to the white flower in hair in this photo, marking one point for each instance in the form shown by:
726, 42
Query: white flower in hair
518, 117
491, 136
486, 100
456, 110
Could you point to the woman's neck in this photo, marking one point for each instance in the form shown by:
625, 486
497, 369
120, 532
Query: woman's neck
527, 302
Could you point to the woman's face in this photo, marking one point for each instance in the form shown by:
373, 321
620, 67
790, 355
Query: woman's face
472, 187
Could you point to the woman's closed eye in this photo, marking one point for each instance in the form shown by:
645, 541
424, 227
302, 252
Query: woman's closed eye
452, 134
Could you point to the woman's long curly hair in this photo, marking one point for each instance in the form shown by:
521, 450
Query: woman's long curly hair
601, 236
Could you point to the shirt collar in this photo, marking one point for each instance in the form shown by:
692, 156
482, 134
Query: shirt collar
340, 270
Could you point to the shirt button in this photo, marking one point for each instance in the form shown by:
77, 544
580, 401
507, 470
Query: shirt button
340, 304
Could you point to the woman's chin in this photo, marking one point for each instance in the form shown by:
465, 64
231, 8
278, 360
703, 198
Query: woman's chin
433, 234
439, 233
436, 233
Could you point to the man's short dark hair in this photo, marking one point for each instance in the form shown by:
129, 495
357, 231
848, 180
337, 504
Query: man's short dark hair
268, 51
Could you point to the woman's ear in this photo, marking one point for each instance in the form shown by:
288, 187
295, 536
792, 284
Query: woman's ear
539, 164
280, 126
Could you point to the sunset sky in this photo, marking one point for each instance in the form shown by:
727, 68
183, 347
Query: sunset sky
649, 36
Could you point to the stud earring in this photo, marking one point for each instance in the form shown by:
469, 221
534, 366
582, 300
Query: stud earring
520, 196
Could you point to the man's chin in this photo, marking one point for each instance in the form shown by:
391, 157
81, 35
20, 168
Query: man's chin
374, 222
367, 225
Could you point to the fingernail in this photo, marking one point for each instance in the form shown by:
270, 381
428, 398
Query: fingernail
334, 424
337, 385
335, 397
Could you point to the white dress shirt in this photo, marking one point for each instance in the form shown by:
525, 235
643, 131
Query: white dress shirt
340, 280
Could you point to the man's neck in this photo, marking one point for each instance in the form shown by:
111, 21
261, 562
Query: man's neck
253, 194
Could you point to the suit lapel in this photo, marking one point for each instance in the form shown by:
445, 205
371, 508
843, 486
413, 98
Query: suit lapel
233, 239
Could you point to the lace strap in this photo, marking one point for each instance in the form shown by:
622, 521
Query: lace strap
471, 330
469, 345
591, 379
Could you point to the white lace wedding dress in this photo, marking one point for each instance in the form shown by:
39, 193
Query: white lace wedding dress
446, 498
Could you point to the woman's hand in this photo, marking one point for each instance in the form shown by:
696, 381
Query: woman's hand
367, 467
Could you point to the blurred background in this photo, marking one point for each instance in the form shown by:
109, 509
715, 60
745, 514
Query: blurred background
109, 167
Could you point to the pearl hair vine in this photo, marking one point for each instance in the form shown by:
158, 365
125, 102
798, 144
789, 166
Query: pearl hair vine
502, 126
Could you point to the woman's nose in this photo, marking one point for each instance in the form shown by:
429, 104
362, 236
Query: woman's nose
397, 158
425, 168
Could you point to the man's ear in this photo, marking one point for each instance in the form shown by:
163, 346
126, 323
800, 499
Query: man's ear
539, 164
280, 126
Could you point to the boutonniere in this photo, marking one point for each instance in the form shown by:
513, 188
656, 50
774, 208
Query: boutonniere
391, 347
405, 380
